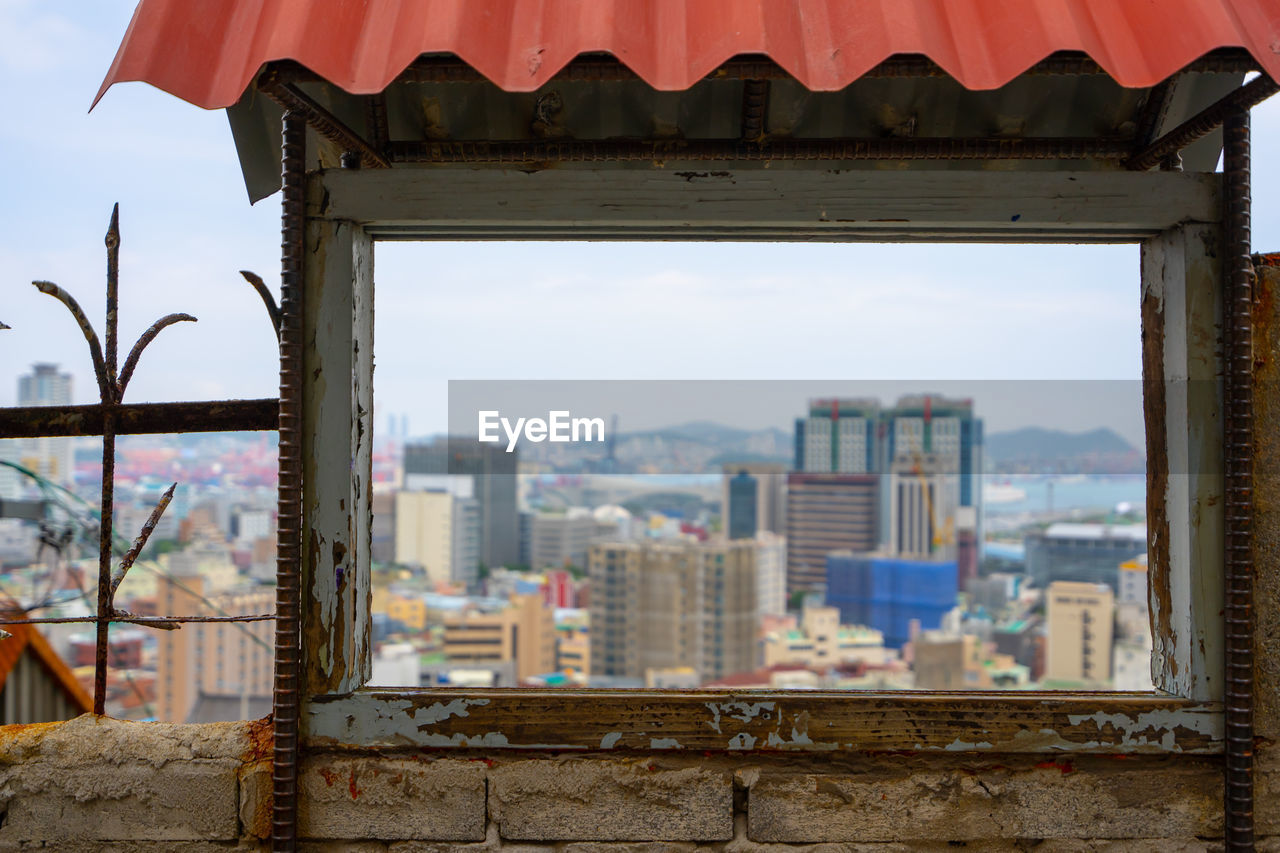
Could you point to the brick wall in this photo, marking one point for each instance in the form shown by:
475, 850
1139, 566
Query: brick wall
92, 784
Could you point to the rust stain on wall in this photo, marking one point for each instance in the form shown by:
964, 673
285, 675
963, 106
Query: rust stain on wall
261, 741
1266, 495
1154, 414
352, 788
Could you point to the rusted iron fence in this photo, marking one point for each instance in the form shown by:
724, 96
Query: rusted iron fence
110, 418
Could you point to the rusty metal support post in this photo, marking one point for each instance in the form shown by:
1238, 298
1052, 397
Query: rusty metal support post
109, 403
285, 701
1238, 434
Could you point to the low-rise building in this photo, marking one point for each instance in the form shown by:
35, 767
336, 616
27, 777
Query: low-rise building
408, 610
1079, 618
945, 661
1082, 553
523, 632
820, 640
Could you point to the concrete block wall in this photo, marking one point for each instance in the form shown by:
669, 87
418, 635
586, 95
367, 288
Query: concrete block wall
101, 784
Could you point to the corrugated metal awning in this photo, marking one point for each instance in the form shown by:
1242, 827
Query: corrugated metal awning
27, 642
208, 51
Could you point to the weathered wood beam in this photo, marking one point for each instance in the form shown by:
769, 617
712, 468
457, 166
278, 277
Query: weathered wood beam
724, 201
764, 721
1183, 404
337, 440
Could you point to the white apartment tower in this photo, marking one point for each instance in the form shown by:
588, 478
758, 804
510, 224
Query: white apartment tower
51, 458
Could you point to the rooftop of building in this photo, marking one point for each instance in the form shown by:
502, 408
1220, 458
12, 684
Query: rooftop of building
1067, 530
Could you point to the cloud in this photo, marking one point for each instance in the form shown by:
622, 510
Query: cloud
34, 40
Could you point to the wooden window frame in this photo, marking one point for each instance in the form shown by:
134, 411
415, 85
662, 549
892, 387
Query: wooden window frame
1175, 217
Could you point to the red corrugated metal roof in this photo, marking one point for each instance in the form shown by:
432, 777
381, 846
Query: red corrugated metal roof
208, 51
26, 638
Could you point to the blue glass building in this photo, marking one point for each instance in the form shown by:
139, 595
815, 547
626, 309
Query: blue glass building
886, 593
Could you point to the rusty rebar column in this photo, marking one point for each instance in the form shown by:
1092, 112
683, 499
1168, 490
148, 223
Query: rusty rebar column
1237, 313
284, 769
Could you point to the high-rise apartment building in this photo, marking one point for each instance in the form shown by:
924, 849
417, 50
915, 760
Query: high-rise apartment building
51, 458
859, 436
474, 469
441, 533
771, 573
741, 508
922, 510
825, 513
770, 493
670, 604
1079, 619
838, 437
946, 428
213, 660
557, 541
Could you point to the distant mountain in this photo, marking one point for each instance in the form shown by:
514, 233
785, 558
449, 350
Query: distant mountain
1040, 450
698, 447
708, 432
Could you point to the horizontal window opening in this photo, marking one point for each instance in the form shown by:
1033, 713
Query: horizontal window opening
771, 466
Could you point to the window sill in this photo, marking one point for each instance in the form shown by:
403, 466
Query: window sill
766, 721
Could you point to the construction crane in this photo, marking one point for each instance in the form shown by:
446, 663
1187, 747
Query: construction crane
944, 534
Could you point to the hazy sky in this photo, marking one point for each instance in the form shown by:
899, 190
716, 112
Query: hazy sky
503, 311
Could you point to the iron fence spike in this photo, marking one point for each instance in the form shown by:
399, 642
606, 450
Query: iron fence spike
95, 346
117, 577
131, 363
273, 310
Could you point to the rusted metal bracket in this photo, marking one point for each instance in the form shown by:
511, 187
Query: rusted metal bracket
907, 148
140, 418
1154, 109
1203, 123
755, 106
326, 123
376, 121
